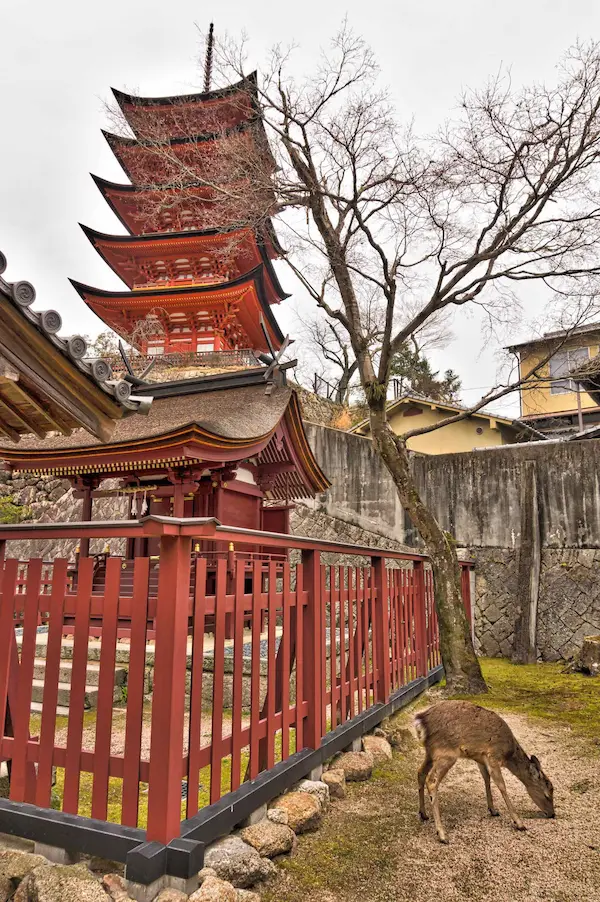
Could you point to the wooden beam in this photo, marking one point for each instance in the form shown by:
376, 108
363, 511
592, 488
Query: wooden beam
23, 418
8, 372
54, 422
9, 432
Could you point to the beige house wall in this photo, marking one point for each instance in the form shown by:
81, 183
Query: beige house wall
536, 396
465, 435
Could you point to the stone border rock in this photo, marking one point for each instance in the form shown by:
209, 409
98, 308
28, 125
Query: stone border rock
234, 865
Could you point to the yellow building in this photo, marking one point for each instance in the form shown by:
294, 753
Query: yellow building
550, 400
478, 430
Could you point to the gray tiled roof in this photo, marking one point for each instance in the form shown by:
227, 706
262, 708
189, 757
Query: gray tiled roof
49, 323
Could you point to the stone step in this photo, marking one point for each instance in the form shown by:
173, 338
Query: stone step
66, 669
93, 652
61, 710
64, 694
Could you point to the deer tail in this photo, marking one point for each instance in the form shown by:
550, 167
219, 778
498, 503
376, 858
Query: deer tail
420, 723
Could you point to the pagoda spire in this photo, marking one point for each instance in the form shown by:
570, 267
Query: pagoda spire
209, 58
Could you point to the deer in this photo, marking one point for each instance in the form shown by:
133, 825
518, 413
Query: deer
453, 729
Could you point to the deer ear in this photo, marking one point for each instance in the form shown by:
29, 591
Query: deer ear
535, 761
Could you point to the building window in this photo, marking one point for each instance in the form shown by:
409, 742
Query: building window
561, 364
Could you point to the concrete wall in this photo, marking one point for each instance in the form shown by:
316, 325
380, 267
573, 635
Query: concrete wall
362, 492
484, 500
477, 496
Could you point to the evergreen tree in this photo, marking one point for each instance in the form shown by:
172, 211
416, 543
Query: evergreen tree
415, 374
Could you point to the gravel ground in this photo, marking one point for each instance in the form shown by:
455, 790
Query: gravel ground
373, 848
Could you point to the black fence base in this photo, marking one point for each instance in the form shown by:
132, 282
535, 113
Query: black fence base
145, 862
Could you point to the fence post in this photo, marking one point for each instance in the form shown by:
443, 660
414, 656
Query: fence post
466, 585
168, 703
313, 639
381, 626
420, 619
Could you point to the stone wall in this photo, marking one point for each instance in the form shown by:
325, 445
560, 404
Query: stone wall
484, 500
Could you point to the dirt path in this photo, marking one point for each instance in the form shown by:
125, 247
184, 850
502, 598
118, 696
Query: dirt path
372, 847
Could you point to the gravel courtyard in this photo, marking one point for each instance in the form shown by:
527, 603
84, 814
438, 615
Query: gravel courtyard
372, 847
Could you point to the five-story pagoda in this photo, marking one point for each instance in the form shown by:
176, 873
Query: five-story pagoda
224, 436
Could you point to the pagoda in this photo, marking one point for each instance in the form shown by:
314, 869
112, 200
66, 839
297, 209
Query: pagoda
224, 436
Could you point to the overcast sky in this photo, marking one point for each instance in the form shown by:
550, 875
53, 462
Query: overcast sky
58, 60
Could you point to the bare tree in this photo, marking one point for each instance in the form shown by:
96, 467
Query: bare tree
506, 193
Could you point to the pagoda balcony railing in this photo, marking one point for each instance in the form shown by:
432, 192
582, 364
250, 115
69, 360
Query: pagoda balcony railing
327, 639
241, 358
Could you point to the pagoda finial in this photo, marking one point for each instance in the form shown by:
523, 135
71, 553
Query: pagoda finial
209, 58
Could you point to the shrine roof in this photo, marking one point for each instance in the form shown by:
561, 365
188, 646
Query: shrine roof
230, 424
111, 190
122, 145
243, 414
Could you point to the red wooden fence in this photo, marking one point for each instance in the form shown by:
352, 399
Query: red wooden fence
313, 645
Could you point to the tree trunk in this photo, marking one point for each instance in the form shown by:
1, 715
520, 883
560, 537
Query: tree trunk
463, 673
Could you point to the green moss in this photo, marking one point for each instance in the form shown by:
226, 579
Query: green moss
544, 691
13, 513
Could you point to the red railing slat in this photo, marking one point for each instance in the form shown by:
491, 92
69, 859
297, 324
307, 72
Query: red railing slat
78, 683
218, 687
135, 694
106, 689
51, 680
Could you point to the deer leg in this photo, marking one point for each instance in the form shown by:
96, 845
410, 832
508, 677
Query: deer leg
496, 775
434, 778
488, 790
423, 771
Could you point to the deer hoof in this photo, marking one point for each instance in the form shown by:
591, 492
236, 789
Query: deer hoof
494, 812
424, 817
443, 839
519, 825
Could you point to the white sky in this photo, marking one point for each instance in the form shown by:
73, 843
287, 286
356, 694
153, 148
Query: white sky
58, 60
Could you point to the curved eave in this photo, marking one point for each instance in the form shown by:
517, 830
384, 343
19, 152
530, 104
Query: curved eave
124, 99
312, 475
96, 238
255, 275
190, 442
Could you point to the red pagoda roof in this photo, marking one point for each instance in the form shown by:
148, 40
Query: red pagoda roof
235, 305
145, 163
186, 114
180, 259
145, 210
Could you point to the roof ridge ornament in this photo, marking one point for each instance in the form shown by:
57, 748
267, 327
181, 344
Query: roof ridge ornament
209, 58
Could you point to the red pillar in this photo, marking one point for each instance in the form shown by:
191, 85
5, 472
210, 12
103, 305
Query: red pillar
86, 516
381, 625
166, 745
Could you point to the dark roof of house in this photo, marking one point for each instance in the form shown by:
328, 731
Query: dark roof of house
451, 407
558, 334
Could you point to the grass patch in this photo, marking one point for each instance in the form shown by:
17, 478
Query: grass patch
544, 691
